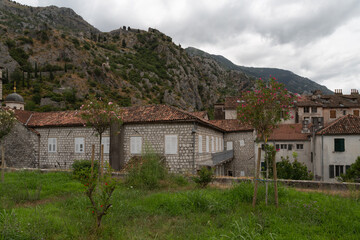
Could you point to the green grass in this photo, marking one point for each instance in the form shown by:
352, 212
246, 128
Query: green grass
173, 213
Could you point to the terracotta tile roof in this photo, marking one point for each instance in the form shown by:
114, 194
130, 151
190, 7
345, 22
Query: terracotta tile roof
202, 114
137, 114
231, 102
231, 125
348, 124
289, 132
330, 101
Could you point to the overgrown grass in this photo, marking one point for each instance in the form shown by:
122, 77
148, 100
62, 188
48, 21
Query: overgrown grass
177, 213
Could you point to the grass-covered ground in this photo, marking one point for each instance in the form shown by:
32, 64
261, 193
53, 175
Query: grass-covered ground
52, 206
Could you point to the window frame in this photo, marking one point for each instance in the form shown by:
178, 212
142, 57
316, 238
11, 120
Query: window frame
299, 146
307, 109
339, 144
332, 113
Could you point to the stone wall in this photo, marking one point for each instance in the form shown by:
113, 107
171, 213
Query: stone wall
153, 137
21, 147
243, 145
65, 152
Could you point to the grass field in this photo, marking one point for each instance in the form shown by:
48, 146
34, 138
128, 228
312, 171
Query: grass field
52, 206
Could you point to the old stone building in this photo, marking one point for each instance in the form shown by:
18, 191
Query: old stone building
188, 142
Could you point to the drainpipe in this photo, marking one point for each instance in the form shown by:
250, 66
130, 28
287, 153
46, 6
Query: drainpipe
193, 132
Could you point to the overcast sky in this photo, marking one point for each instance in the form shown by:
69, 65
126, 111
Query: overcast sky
315, 39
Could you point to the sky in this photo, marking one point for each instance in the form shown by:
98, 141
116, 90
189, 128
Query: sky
318, 39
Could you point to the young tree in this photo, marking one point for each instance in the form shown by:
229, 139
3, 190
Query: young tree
7, 121
99, 115
264, 108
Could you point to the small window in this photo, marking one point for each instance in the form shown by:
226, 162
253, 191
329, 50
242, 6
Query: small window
283, 146
277, 146
200, 144
263, 147
314, 109
217, 144
331, 171
339, 169
356, 113
339, 145
52, 145
290, 147
230, 173
242, 143
344, 112
79, 145
106, 142
207, 144
135, 145
306, 109
332, 113
299, 146
263, 166
171, 144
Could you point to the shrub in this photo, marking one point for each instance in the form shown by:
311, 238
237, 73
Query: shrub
204, 177
295, 170
146, 171
353, 173
82, 169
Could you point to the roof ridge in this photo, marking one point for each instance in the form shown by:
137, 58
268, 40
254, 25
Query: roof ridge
337, 121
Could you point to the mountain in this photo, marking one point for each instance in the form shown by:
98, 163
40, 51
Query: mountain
55, 59
293, 82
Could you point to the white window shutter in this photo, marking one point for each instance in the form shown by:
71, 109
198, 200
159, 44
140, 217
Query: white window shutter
200, 144
207, 144
229, 145
135, 145
171, 144
106, 142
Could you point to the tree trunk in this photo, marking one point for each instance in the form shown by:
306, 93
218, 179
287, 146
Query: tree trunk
99, 161
3, 163
257, 177
267, 177
275, 180
92, 160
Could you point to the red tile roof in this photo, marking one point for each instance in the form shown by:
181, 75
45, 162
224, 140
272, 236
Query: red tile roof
346, 125
231, 125
137, 114
202, 114
231, 102
289, 132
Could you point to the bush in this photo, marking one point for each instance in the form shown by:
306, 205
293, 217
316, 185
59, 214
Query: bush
204, 177
146, 171
296, 170
82, 169
353, 173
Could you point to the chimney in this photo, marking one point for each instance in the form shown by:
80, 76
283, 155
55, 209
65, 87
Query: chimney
354, 92
338, 91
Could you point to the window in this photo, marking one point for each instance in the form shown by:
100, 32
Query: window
79, 145
135, 145
336, 170
344, 112
263, 147
106, 142
314, 109
277, 146
212, 144
307, 119
290, 147
332, 113
229, 145
242, 143
52, 145
306, 109
356, 113
171, 144
230, 173
207, 144
200, 144
299, 146
283, 146
339, 145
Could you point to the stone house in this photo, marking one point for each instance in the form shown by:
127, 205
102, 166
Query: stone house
56, 139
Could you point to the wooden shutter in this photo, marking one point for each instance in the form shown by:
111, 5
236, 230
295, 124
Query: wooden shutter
356, 113
339, 144
332, 113
331, 171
